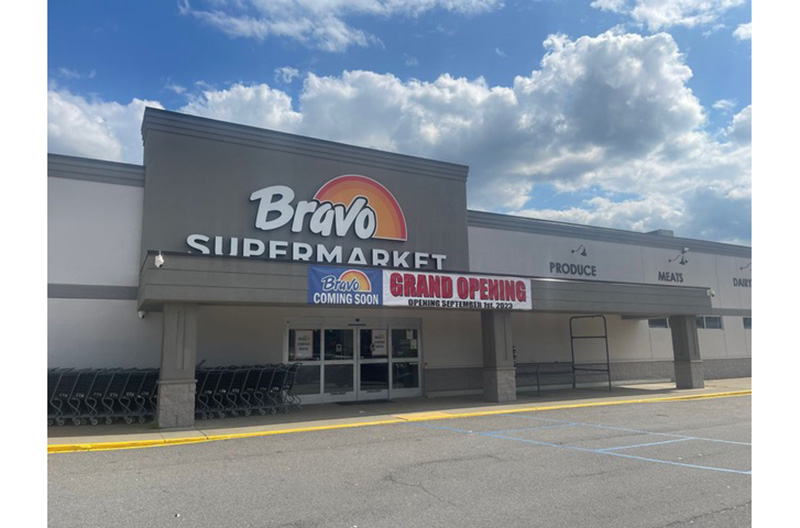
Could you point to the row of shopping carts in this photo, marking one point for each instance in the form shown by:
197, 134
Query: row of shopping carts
92, 396
245, 390
83, 396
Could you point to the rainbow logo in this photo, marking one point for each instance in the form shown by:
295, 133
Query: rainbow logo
357, 279
390, 220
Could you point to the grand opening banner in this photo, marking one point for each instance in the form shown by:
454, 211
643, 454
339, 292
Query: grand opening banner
449, 290
416, 289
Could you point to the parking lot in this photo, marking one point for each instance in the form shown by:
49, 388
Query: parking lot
677, 463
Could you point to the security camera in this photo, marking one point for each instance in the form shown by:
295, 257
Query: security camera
159, 260
711, 293
141, 314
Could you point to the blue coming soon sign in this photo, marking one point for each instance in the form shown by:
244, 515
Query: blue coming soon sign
345, 286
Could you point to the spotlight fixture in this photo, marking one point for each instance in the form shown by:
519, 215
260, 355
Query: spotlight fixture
581, 250
681, 257
159, 260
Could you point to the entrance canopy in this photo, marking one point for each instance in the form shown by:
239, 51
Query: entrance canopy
182, 278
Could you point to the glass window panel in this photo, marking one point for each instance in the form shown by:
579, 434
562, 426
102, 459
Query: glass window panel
339, 344
339, 379
307, 380
747, 322
658, 323
714, 323
701, 322
405, 343
373, 344
405, 375
374, 376
304, 345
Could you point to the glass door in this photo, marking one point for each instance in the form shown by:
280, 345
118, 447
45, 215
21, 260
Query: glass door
345, 361
405, 362
373, 364
339, 365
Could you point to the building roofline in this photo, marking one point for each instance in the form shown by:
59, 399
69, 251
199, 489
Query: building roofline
101, 171
173, 122
602, 234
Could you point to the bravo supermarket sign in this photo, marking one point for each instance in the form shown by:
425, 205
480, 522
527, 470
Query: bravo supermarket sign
370, 287
351, 207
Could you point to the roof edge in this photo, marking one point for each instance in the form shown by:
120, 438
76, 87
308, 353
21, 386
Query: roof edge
101, 171
603, 234
203, 127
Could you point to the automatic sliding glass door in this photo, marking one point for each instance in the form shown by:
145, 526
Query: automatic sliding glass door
373, 364
405, 362
341, 362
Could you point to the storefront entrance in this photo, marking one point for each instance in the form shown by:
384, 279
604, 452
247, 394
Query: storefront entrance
354, 360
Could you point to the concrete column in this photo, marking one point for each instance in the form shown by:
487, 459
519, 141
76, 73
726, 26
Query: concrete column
499, 373
176, 383
686, 349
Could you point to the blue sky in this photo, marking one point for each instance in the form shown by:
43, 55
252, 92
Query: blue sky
632, 114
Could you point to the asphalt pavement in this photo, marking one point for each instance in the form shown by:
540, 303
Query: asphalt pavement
71, 438
642, 456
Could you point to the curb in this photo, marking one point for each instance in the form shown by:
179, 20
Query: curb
422, 416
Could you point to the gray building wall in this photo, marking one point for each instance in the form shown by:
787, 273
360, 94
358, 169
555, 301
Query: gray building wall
531, 247
94, 227
450, 341
200, 175
95, 244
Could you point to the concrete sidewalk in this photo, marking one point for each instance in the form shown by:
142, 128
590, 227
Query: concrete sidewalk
359, 414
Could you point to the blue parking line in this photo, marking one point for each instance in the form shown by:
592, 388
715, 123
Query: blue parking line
680, 464
540, 428
605, 451
627, 430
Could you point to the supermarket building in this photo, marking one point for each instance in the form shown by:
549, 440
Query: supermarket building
234, 245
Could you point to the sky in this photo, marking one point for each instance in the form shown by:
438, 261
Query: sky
629, 114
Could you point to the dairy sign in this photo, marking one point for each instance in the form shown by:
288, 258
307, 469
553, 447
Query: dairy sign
372, 287
349, 206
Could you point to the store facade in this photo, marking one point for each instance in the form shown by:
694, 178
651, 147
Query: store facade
236, 245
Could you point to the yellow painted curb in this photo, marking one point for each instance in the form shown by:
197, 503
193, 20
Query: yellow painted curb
399, 418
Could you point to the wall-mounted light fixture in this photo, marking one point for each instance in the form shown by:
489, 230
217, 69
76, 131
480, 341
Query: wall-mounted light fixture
681, 257
159, 260
748, 266
581, 250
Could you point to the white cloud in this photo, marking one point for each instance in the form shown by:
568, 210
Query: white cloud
286, 74
740, 129
660, 14
92, 128
74, 74
176, 88
255, 105
317, 23
644, 214
611, 113
744, 31
724, 105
